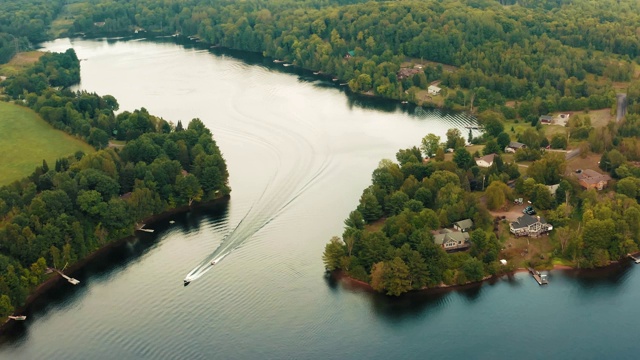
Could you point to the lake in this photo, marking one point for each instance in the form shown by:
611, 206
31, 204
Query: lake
300, 150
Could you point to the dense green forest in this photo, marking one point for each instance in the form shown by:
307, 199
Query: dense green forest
551, 55
388, 240
67, 210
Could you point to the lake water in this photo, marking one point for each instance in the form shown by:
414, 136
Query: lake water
300, 151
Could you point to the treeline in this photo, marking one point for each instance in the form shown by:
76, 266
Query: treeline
23, 23
65, 211
552, 56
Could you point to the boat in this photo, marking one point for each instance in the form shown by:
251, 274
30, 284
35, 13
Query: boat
334, 79
405, 102
316, 73
171, 222
213, 262
186, 282
18, 318
286, 64
278, 61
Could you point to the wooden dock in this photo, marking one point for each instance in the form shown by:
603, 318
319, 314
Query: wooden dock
634, 258
141, 228
541, 279
69, 279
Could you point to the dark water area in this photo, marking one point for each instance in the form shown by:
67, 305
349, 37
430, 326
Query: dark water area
300, 150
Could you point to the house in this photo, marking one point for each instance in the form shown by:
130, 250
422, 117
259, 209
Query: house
545, 119
99, 23
405, 73
452, 240
553, 188
349, 54
426, 160
528, 225
433, 90
463, 225
591, 179
514, 146
485, 161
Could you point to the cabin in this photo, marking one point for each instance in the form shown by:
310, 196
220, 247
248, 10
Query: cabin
591, 179
451, 240
485, 161
463, 225
514, 146
433, 90
349, 54
528, 225
406, 73
545, 119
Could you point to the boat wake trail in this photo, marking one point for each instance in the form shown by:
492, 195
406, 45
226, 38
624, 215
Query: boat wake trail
296, 158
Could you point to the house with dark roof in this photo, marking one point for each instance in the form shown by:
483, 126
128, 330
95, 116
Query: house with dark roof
405, 73
485, 161
514, 146
545, 119
451, 240
528, 225
463, 225
591, 179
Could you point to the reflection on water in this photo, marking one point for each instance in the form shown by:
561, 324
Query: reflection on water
269, 298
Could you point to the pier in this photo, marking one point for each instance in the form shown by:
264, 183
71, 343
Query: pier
141, 228
541, 279
634, 258
69, 279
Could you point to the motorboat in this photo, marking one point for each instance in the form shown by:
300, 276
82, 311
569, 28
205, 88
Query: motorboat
18, 318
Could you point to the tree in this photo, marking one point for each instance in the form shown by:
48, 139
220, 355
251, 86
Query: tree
503, 140
396, 276
188, 189
463, 158
430, 145
496, 195
355, 220
491, 147
541, 197
454, 139
558, 141
473, 269
369, 207
333, 253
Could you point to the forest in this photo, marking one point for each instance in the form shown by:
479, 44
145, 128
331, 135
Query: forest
67, 210
548, 55
388, 239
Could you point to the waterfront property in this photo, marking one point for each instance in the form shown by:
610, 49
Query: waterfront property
591, 179
514, 146
485, 161
433, 90
451, 240
463, 225
528, 225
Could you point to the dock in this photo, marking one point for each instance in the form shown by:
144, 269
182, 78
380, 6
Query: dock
634, 258
141, 228
541, 279
69, 279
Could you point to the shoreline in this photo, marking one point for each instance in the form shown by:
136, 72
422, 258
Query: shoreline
340, 276
55, 280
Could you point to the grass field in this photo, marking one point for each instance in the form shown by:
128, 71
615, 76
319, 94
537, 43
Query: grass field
26, 139
20, 62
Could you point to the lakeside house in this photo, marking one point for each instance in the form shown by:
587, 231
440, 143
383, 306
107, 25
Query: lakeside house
451, 240
485, 161
405, 73
545, 119
591, 179
463, 225
433, 90
514, 146
528, 225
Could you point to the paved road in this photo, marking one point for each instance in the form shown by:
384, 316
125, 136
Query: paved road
571, 154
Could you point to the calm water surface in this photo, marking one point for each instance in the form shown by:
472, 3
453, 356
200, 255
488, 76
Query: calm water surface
300, 151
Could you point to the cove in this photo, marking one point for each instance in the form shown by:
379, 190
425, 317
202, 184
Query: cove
300, 151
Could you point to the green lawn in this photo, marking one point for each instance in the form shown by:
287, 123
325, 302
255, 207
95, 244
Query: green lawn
26, 139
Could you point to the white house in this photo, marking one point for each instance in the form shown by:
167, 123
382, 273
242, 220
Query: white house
434, 90
485, 161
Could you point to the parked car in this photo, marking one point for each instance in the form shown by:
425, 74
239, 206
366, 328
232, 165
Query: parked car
529, 210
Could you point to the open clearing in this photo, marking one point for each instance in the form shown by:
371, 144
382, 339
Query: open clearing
26, 139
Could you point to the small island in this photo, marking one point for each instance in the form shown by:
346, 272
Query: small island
441, 216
